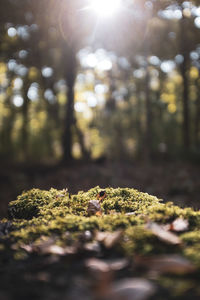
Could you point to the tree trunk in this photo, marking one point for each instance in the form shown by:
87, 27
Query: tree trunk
25, 108
70, 75
185, 99
197, 118
85, 152
185, 96
138, 121
148, 127
7, 130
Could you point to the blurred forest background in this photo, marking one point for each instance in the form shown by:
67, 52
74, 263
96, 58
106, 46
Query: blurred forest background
88, 98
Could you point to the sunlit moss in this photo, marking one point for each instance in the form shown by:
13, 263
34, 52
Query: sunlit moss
38, 213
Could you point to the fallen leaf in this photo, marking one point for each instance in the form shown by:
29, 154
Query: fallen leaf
117, 264
48, 247
109, 239
101, 195
100, 236
40, 246
27, 248
99, 213
54, 249
130, 213
97, 265
106, 265
180, 224
92, 247
132, 289
163, 234
175, 264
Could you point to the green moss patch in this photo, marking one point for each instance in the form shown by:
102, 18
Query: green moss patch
131, 225
38, 213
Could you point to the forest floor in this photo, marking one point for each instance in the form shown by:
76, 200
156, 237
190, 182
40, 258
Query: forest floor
91, 266
172, 181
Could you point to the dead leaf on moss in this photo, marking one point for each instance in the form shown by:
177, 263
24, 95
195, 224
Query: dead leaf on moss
130, 213
179, 225
163, 234
40, 245
54, 249
49, 247
109, 239
93, 247
101, 195
27, 248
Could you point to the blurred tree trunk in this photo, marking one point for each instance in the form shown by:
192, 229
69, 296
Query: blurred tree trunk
85, 152
185, 96
147, 91
8, 126
138, 122
148, 105
197, 115
8, 123
25, 109
70, 76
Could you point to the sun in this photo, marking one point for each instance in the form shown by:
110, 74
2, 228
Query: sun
105, 8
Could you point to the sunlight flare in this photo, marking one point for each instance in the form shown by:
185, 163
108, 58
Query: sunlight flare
105, 8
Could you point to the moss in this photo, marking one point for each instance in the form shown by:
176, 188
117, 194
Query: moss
29, 204
38, 213
192, 245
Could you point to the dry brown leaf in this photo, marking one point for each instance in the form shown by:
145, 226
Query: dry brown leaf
175, 264
97, 265
54, 249
117, 264
92, 247
132, 289
99, 213
100, 236
101, 195
48, 247
163, 234
109, 239
103, 265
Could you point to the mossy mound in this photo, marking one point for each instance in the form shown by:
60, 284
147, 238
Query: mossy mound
39, 213
132, 225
